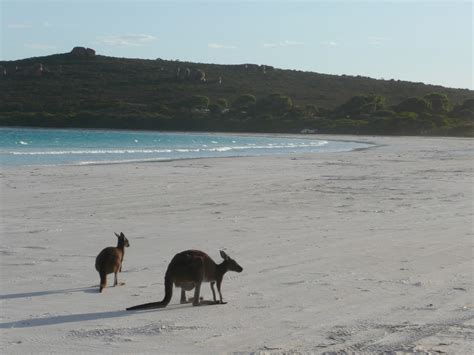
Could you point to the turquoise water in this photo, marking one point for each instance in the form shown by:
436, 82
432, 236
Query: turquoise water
28, 146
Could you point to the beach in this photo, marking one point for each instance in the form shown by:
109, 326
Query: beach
361, 251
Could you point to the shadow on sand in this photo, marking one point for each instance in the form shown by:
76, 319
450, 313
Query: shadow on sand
71, 318
174, 307
90, 289
83, 317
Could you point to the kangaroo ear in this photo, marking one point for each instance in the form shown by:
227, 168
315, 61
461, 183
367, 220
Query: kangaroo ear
122, 235
118, 236
224, 255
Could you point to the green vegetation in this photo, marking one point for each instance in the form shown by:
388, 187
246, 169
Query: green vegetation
67, 90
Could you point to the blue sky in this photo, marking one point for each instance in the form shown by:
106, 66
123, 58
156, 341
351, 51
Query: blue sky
423, 41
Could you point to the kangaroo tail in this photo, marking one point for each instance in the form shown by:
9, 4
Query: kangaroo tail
163, 303
150, 305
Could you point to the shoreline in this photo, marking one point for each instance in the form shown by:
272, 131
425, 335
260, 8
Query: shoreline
308, 137
154, 161
359, 251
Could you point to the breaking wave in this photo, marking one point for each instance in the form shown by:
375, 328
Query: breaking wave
177, 150
27, 146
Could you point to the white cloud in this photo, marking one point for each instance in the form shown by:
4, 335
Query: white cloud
376, 38
377, 41
39, 46
291, 43
283, 44
220, 46
127, 40
19, 25
330, 43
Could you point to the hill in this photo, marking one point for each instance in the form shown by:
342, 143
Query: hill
82, 89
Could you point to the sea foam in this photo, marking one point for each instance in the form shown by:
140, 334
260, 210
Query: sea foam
24, 146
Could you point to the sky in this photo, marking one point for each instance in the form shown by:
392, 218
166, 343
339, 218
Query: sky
420, 41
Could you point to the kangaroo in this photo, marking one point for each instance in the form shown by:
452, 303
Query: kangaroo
110, 260
188, 270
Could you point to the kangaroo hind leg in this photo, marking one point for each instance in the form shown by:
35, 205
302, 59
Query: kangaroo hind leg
117, 270
183, 296
197, 290
103, 281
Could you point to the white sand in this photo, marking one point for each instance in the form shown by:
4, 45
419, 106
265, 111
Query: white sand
360, 251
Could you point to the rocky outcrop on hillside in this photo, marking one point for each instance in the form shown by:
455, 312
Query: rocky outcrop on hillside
196, 75
82, 52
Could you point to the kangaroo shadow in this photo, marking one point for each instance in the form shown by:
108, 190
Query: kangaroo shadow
175, 307
90, 289
83, 317
71, 318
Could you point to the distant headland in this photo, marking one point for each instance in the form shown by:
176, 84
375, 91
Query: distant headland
83, 89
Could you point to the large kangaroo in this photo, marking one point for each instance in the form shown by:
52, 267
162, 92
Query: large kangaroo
188, 270
110, 260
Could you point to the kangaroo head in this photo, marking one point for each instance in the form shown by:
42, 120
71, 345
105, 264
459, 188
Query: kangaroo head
122, 240
231, 263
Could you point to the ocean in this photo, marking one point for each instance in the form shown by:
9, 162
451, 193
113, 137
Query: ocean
31, 146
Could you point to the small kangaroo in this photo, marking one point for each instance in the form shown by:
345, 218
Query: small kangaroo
110, 260
188, 270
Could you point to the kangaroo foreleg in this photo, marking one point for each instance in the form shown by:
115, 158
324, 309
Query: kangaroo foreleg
213, 291
219, 283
